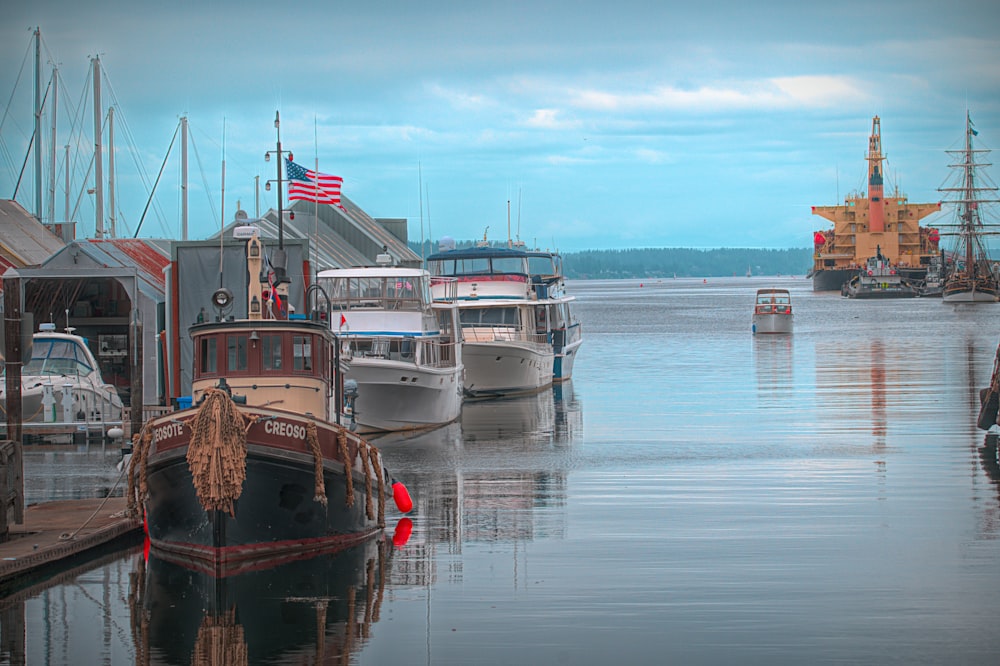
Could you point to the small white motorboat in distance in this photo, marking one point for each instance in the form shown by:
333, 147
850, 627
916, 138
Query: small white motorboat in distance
772, 311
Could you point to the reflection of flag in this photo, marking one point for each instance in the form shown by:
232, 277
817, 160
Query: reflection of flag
343, 320
312, 185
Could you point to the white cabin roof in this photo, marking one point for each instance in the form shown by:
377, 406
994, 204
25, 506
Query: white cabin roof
372, 271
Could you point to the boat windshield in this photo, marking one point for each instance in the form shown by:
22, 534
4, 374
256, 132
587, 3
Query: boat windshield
57, 357
380, 292
543, 264
515, 265
768, 298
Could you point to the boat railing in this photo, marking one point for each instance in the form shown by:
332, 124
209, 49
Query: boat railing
432, 352
444, 289
479, 333
438, 353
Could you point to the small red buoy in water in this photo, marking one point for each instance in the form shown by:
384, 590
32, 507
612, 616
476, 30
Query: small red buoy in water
402, 534
401, 496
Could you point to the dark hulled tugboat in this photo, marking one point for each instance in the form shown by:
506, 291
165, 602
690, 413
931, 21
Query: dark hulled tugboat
259, 467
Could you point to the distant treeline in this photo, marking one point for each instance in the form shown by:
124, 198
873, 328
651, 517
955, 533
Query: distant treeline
671, 261
685, 262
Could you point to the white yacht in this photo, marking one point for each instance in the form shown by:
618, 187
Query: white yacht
62, 383
564, 330
402, 342
505, 323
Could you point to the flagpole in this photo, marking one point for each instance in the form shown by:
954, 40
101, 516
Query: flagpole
316, 201
222, 217
420, 198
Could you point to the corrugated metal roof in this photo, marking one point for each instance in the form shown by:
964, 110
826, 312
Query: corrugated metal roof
330, 249
149, 257
24, 241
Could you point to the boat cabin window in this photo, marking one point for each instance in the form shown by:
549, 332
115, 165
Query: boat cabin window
265, 355
542, 265
237, 352
271, 345
302, 352
379, 292
479, 266
56, 357
489, 316
207, 357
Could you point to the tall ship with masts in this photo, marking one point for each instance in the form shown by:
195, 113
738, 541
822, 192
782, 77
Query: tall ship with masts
871, 221
970, 275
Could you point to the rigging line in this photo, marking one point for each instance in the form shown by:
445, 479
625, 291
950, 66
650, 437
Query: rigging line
79, 197
10, 101
204, 180
130, 140
23, 166
143, 217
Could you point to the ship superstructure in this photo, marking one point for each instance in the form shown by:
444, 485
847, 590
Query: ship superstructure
869, 221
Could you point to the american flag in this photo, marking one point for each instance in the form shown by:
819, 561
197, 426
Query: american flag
312, 185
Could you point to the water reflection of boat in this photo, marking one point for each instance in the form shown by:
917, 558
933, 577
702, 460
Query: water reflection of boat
773, 363
989, 398
315, 610
62, 382
521, 417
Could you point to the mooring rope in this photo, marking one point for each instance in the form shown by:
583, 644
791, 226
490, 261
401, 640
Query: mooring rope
68, 536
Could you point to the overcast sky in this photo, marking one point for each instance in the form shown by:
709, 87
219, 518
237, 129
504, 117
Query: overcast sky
605, 124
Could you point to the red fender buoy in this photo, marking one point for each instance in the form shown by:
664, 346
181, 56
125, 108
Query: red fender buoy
401, 496
402, 534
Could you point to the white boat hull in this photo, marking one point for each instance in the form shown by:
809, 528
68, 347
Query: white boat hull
505, 367
91, 404
772, 323
394, 395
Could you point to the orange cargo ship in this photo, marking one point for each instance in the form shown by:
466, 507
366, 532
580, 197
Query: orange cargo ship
868, 221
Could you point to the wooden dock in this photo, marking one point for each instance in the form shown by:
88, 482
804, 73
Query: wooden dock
59, 533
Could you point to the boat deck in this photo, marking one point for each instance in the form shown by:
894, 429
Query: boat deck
56, 533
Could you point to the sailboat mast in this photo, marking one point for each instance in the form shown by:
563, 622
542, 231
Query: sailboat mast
111, 171
52, 146
68, 228
969, 195
38, 123
184, 178
98, 156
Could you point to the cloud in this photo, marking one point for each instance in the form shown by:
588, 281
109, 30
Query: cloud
461, 100
815, 91
549, 119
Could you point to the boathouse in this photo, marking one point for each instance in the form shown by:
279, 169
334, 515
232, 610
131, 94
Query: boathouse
316, 237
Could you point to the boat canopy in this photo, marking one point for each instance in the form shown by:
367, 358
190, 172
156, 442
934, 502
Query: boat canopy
479, 261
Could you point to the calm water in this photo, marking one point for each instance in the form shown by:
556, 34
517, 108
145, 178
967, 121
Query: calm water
696, 495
